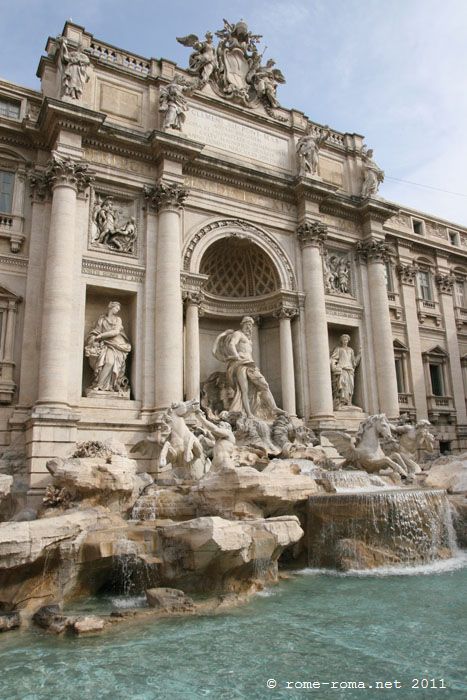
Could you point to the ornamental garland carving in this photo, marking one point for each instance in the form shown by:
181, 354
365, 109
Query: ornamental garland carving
234, 67
166, 195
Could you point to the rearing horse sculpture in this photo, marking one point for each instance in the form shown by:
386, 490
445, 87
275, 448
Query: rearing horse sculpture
366, 452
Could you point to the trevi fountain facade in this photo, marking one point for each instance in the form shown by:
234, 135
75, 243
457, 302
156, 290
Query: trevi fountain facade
222, 353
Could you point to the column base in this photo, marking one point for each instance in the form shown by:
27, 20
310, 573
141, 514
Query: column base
322, 421
51, 431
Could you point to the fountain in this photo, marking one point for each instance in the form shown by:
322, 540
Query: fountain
367, 529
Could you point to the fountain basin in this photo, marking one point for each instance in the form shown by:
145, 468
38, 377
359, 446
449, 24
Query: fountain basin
368, 529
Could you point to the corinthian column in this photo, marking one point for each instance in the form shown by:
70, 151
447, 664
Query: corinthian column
167, 199
374, 253
285, 315
192, 363
66, 177
312, 236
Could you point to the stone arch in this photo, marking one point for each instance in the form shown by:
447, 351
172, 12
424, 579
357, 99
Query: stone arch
199, 243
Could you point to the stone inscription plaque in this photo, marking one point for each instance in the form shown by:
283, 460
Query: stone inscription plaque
237, 139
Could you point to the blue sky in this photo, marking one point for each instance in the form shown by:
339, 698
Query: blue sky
392, 70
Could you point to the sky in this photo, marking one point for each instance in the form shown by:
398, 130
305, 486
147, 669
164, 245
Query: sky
394, 71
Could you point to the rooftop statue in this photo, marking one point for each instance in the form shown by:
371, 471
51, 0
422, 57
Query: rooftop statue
373, 176
173, 103
308, 147
234, 67
75, 70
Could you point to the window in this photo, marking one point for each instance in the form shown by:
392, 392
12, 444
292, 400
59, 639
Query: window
6, 191
8, 310
388, 275
459, 293
9, 108
400, 375
453, 237
424, 285
417, 226
437, 380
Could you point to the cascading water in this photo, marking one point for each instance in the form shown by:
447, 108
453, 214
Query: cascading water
368, 529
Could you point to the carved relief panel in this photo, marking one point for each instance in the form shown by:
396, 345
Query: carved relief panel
337, 271
113, 223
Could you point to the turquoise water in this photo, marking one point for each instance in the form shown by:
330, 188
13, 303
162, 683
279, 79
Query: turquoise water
315, 627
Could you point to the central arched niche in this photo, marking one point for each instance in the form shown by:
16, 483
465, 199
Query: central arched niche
239, 273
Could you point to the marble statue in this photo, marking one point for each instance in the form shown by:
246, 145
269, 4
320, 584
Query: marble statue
373, 176
223, 451
410, 439
203, 59
233, 68
109, 233
366, 452
252, 395
308, 147
173, 103
75, 70
107, 347
343, 365
157, 446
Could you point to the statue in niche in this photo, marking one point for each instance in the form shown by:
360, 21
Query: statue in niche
107, 347
203, 60
373, 176
252, 396
173, 103
308, 147
75, 69
343, 365
115, 237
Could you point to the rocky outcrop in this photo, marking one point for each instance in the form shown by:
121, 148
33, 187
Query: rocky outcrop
56, 558
6, 482
169, 600
211, 553
449, 473
234, 493
9, 621
459, 513
106, 476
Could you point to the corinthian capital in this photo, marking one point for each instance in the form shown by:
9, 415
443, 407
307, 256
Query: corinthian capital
445, 283
63, 170
286, 312
373, 251
407, 273
312, 233
166, 195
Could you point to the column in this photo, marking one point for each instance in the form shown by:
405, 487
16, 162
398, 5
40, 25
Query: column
285, 315
312, 236
445, 287
192, 362
374, 252
407, 276
66, 177
167, 198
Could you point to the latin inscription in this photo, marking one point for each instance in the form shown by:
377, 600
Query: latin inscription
237, 139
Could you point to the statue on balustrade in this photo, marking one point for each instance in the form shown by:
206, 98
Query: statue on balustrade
343, 365
75, 70
308, 147
107, 347
173, 103
252, 395
373, 176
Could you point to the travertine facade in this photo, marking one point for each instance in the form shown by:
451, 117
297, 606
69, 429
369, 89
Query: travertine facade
190, 199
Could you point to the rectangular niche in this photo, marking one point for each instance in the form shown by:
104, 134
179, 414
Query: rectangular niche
114, 222
335, 333
97, 301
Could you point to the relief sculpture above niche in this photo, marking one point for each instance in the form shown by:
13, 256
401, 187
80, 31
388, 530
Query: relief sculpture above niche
337, 273
113, 224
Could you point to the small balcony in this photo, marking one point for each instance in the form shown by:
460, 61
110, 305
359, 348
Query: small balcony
11, 227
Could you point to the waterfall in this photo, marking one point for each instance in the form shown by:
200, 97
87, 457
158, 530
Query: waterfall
369, 529
343, 480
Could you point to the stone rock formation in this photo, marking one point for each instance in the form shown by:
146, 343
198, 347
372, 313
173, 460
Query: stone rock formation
449, 473
169, 600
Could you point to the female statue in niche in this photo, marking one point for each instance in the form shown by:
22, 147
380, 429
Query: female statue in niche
343, 365
106, 348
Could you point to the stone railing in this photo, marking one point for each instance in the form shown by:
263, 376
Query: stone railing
11, 227
109, 54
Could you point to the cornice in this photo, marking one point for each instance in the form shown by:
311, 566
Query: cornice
56, 115
312, 189
358, 209
103, 268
